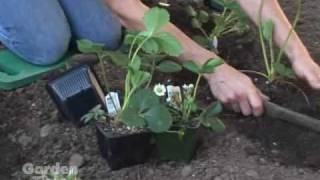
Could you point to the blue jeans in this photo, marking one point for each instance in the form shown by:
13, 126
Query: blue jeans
40, 30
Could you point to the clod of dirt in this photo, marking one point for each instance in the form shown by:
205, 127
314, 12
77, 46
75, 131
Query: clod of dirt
24, 140
76, 160
253, 174
45, 130
186, 171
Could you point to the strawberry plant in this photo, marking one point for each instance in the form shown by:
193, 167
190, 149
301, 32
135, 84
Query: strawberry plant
230, 21
141, 107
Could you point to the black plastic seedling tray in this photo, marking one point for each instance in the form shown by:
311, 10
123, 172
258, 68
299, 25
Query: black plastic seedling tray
76, 92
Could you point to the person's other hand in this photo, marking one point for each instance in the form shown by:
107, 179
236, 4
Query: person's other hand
306, 69
236, 90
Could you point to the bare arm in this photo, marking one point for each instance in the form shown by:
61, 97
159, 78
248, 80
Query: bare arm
228, 85
298, 54
132, 18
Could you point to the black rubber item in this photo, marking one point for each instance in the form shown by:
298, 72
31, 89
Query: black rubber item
124, 151
214, 5
75, 93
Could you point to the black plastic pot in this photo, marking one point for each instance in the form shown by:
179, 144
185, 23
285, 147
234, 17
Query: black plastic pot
172, 147
126, 150
76, 92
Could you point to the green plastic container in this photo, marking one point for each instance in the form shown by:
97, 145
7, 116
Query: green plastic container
15, 72
172, 147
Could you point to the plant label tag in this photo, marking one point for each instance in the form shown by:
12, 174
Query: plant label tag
113, 103
174, 95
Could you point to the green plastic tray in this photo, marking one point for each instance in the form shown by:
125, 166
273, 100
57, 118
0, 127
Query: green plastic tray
15, 72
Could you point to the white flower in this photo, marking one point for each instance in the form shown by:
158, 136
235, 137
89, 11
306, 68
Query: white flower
159, 90
191, 86
185, 87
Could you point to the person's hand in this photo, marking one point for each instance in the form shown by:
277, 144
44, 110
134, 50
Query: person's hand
305, 68
236, 90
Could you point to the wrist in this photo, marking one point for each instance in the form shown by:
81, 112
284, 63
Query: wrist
298, 52
299, 55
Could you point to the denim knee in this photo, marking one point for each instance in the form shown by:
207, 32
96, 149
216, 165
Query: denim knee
93, 20
37, 30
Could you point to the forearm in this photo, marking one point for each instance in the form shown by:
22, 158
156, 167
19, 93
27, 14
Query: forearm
272, 10
132, 18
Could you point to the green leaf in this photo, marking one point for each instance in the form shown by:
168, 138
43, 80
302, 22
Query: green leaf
151, 46
87, 46
131, 117
136, 63
144, 109
190, 11
214, 123
155, 19
212, 111
211, 64
195, 23
139, 78
267, 29
158, 119
168, 44
201, 40
118, 58
191, 66
144, 99
203, 16
169, 67
283, 70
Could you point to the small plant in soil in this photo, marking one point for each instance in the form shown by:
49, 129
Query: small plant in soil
276, 70
231, 21
142, 110
180, 142
141, 107
124, 139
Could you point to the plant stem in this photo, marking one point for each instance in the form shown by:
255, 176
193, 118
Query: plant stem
153, 68
296, 20
263, 46
194, 95
255, 72
128, 76
132, 46
105, 81
272, 72
204, 33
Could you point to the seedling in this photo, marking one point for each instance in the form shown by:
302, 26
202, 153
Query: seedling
276, 70
184, 107
231, 21
141, 107
273, 63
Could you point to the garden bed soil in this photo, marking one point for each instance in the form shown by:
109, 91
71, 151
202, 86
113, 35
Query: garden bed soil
250, 148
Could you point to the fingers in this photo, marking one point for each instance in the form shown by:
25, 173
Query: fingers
248, 103
314, 80
236, 107
256, 102
245, 107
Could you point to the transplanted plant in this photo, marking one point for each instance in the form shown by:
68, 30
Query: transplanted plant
141, 107
184, 106
275, 68
231, 21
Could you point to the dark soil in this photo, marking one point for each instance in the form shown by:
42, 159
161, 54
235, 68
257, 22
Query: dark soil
251, 148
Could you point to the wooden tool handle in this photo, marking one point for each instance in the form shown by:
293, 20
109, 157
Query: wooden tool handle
279, 112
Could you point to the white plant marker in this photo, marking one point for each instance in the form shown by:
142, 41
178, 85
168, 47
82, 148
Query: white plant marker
172, 90
113, 103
